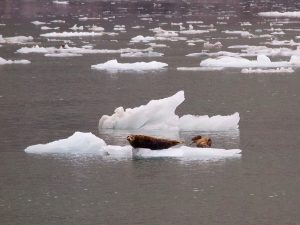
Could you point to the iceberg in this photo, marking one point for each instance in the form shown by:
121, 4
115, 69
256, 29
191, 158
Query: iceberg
114, 65
88, 144
160, 115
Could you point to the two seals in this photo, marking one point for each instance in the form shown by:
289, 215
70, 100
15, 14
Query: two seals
154, 143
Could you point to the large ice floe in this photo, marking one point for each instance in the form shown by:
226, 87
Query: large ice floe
21, 61
239, 62
294, 14
15, 40
71, 34
114, 65
87, 143
75, 51
160, 115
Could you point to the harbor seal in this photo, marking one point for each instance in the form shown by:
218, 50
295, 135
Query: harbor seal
153, 143
202, 142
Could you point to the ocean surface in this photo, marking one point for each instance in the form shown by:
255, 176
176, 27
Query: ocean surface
52, 97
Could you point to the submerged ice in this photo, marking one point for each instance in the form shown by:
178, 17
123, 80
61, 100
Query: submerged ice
160, 115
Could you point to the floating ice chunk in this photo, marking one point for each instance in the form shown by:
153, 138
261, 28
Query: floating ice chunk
159, 32
283, 42
239, 46
88, 18
75, 50
49, 28
245, 34
156, 115
81, 143
96, 28
206, 123
160, 115
61, 2
191, 31
62, 54
58, 21
120, 27
277, 70
21, 61
214, 54
200, 68
216, 45
71, 34
113, 65
141, 38
137, 27
239, 62
88, 144
246, 24
75, 27
155, 45
295, 14
142, 54
37, 23
15, 40
35, 49
189, 153
194, 22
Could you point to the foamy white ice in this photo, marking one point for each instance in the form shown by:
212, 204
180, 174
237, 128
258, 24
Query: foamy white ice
61, 2
114, 65
87, 143
160, 115
276, 70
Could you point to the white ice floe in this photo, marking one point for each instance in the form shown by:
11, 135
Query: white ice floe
192, 31
80, 143
283, 42
159, 32
208, 45
114, 65
96, 28
200, 68
120, 27
49, 28
76, 50
160, 115
61, 2
189, 153
245, 34
15, 40
57, 21
141, 38
71, 34
89, 144
75, 27
88, 18
155, 45
63, 54
37, 23
276, 70
295, 14
239, 62
21, 61
141, 54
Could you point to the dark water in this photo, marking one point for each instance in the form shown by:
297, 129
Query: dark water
51, 98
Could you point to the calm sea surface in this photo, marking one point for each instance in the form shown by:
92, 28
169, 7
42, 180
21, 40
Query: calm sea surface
52, 97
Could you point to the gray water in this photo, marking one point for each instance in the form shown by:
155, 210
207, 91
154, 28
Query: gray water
51, 98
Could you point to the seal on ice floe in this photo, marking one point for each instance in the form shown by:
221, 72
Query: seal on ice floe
153, 143
202, 142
